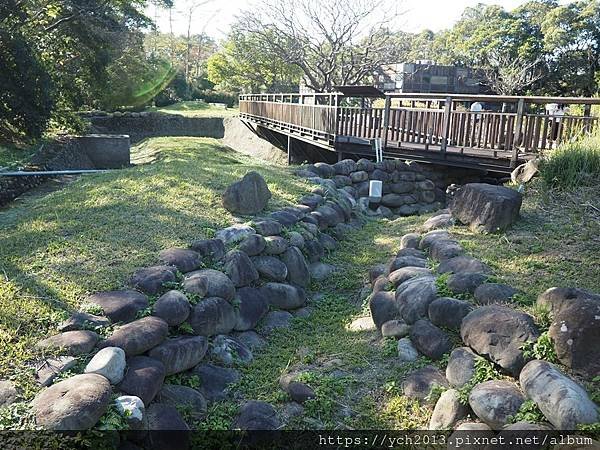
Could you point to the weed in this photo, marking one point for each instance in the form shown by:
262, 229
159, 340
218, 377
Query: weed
435, 393
528, 412
113, 419
182, 379
542, 348
390, 347
484, 371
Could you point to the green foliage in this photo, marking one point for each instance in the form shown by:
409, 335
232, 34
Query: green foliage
528, 412
185, 328
182, 379
435, 393
542, 348
17, 416
390, 347
484, 371
113, 419
441, 285
573, 164
218, 417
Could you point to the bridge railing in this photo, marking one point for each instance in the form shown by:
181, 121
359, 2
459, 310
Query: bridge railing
504, 126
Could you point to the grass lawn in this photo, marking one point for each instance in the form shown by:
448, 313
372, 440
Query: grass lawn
92, 235
195, 109
12, 156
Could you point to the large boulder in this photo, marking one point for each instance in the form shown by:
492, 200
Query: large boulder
139, 336
180, 353
256, 415
575, 328
420, 383
465, 282
284, 296
76, 403
240, 269
297, 268
72, 343
461, 264
562, 401
234, 233
448, 410
209, 283
252, 306
8, 393
212, 316
461, 366
151, 280
144, 378
108, 362
443, 249
83, 321
268, 227
228, 351
448, 312
525, 172
429, 339
215, 380
414, 296
495, 402
183, 397
173, 307
119, 306
486, 207
383, 308
253, 244
275, 320
498, 332
184, 259
210, 249
397, 277
250, 195
168, 430
270, 267
490, 293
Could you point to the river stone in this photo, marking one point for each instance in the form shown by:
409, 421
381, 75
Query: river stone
270, 268
183, 397
383, 308
210, 249
397, 277
324, 170
250, 195
300, 392
8, 393
345, 167
168, 429
562, 401
395, 328
397, 200
460, 264
461, 366
298, 273
429, 339
252, 306
133, 408
381, 284
251, 339
50, 368
410, 240
256, 415
495, 402
575, 328
328, 242
275, 245
173, 307
76, 403
465, 282
144, 378
212, 316
443, 249
407, 261
119, 306
411, 252
490, 293
268, 227
407, 351
420, 382
150, 280
274, 320
358, 177
228, 351
414, 296
429, 238
285, 218
284, 296
82, 321
209, 283
253, 245
320, 271
214, 381
184, 259
240, 269
448, 410
314, 250
139, 336
362, 324
498, 332
108, 362
71, 343
448, 312
234, 233
180, 353
485, 207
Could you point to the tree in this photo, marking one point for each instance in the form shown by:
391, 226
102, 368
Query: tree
506, 75
332, 43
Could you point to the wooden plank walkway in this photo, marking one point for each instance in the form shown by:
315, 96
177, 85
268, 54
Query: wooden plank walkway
436, 128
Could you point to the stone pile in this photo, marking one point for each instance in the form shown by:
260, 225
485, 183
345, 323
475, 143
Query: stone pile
405, 304
201, 311
406, 189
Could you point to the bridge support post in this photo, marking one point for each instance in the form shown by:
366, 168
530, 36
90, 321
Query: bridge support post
446, 127
289, 150
386, 120
517, 133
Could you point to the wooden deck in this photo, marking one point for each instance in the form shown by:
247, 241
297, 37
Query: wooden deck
430, 128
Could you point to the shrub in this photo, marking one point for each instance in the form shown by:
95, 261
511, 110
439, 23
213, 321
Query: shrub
573, 163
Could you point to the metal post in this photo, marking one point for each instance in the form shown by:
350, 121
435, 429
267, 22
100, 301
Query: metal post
517, 133
386, 119
446, 128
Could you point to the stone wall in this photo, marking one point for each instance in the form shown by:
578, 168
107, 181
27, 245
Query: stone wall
407, 187
143, 125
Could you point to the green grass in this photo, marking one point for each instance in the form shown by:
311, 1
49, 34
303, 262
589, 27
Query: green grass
195, 109
573, 164
15, 156
92, 235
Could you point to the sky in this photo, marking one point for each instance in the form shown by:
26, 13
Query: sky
216, 18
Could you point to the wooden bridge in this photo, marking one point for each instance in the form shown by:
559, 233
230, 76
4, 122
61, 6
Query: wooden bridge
496, 134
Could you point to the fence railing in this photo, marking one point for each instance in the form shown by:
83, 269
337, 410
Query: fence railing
505, 127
